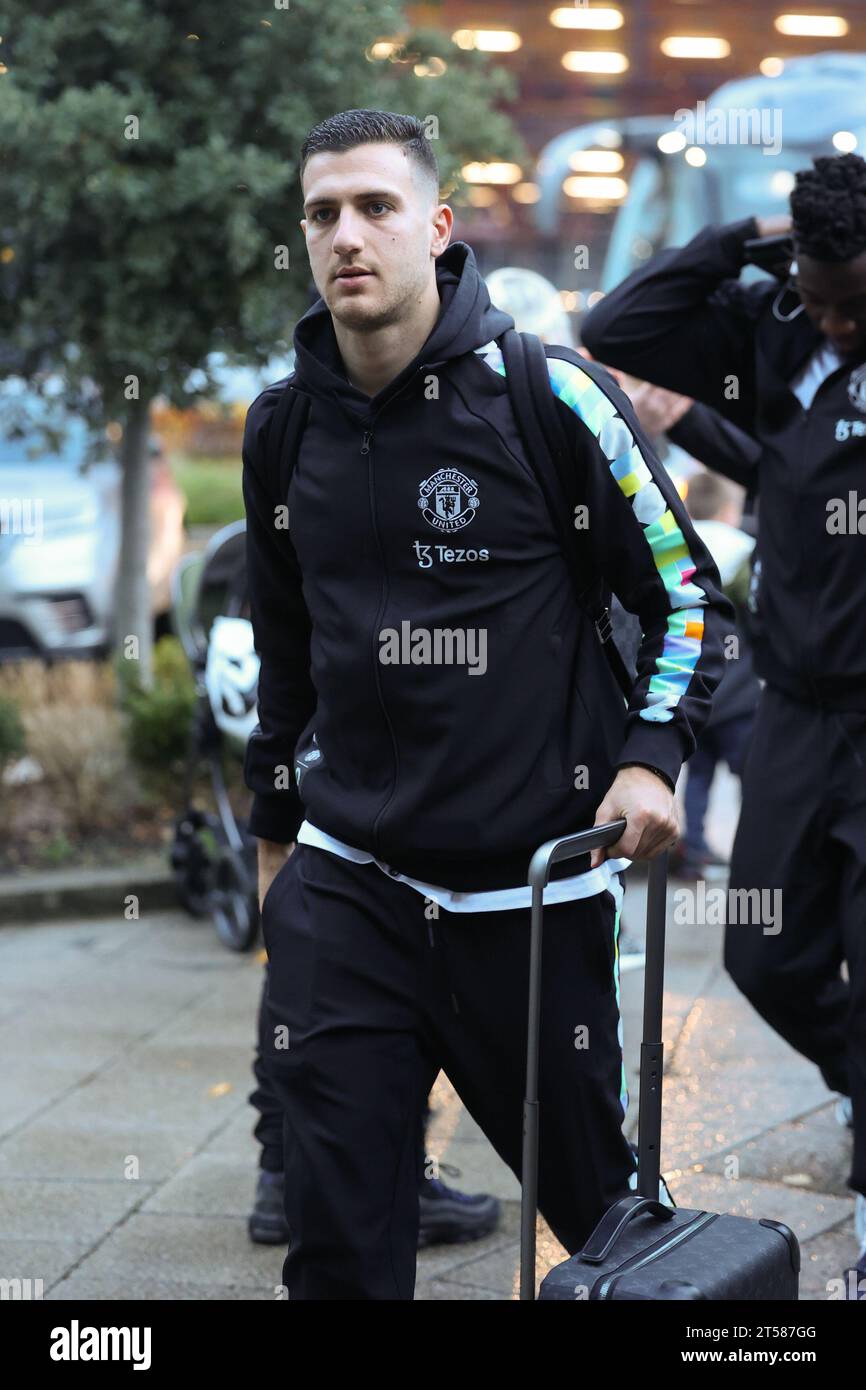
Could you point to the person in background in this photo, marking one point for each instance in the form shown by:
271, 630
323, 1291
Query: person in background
787, 364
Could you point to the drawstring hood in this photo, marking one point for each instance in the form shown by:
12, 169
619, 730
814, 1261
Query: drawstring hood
467, 320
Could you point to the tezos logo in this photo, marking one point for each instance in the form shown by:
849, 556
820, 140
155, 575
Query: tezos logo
448, 500
857, 387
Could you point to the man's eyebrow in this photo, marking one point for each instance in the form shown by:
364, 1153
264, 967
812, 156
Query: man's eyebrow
366, 196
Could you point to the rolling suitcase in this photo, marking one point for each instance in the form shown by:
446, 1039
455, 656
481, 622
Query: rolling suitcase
642, 1249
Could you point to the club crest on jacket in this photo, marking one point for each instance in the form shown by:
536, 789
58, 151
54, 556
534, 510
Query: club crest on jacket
448, 499
857, 387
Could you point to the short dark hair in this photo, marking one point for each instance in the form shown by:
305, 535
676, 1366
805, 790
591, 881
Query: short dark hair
828, 208
707, 493
347, 129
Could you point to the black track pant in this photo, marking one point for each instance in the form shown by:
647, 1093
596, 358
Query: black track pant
803, 830
368, 996
269, 1126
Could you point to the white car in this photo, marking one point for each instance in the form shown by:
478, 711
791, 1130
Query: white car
60, 498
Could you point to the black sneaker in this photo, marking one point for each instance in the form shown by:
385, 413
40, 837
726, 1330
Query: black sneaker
267, 1224
449, 1217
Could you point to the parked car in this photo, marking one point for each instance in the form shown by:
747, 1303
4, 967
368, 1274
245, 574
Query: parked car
60, 528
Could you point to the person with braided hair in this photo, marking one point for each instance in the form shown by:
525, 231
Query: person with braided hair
787, 364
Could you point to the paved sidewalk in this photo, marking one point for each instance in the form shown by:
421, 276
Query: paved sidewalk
127, 1164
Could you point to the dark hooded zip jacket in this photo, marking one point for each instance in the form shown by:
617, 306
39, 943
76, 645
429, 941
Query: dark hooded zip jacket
413, 515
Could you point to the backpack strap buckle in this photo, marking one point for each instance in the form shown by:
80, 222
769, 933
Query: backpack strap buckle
604, 626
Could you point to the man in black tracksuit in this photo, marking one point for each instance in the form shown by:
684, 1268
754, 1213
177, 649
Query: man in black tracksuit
446, 706
788, 366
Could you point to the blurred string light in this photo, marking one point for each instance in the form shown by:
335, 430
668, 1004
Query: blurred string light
382, 49
772, 67
481, 197
782, 183
526, 193
572, 300
599, 17
845, 141
695, 156
434, 67
488, 40
813, 26
672, 142
595, 60
596, 161
492, 173
694, 46
608, 190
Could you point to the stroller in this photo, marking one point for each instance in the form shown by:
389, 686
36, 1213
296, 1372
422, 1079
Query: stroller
212, 854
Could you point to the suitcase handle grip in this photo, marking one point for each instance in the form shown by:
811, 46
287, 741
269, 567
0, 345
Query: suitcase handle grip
614, 1222
570, 846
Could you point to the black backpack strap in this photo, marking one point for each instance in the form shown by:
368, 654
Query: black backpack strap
553, 459
288, 423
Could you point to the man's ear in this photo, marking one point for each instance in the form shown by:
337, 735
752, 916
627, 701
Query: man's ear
443, 221
303, 225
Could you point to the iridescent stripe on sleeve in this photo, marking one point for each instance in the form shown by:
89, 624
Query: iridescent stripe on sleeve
681, 649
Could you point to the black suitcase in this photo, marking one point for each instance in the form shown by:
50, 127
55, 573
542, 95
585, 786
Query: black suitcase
641, 1248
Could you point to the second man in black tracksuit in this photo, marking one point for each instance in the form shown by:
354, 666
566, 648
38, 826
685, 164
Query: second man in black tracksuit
788, 365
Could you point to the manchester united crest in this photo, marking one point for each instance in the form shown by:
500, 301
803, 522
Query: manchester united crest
448, 500
857, 388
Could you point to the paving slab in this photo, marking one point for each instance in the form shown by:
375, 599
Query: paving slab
206, 1184
807, 1213
48, 1260
208, 1250
31, 1210
499, 1269
813, 1153
83, 1287
81, 1146
441, 1291
825, 1259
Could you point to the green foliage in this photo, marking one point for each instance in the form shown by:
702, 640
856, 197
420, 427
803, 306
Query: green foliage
141, 256
56, 851
211, 488
157, 720
12, 739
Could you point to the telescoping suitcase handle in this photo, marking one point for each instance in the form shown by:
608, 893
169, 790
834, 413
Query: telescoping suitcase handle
651, 1054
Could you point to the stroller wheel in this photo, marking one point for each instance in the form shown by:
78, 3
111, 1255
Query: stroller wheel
193, 858
233, 906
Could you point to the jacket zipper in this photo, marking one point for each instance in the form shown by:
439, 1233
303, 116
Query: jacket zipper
366, 452
365, 449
